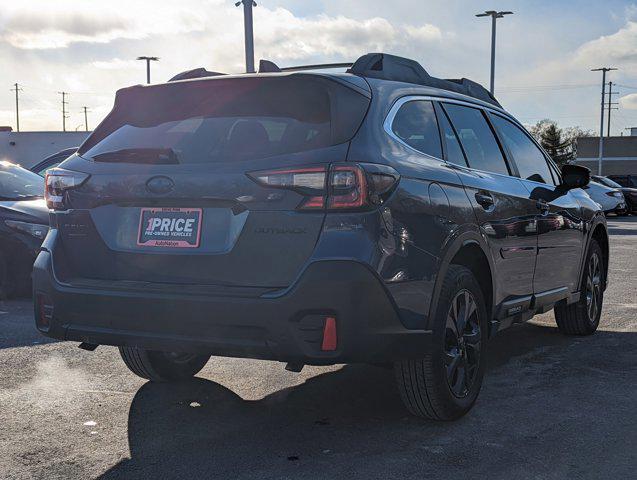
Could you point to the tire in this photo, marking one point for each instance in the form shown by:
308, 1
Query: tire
445, 383
582, 317
162, 366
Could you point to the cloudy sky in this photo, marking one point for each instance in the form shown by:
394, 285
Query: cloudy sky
545, 50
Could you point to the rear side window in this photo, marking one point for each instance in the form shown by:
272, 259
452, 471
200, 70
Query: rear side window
454, 150
529, 159
476, 137
415, 124
221, 120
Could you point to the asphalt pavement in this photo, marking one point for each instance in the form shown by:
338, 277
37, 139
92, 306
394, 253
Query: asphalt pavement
551, 407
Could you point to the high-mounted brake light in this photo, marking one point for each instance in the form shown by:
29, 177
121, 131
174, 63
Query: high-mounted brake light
57, 182
345, 186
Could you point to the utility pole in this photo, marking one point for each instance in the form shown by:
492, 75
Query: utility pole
601, 123
64, 115
16, 88
85, 118
248, 32
148, 60
494, 17
610, 104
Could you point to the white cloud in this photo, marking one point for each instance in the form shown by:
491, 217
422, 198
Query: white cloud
629, 101
44, 24
424, 33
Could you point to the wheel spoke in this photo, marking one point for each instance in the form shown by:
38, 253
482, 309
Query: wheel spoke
473, 338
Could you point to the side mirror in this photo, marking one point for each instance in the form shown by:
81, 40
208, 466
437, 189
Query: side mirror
575, 176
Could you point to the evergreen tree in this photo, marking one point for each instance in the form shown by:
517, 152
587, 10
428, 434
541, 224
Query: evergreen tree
560, 149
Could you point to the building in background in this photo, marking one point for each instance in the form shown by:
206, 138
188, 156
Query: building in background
29, 148
620, 154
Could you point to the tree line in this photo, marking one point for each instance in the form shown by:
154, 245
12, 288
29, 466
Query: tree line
559, 143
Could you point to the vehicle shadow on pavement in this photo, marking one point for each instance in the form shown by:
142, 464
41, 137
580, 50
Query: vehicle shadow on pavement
17, 325
200, 429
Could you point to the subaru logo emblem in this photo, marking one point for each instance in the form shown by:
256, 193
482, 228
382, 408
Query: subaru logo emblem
160, 185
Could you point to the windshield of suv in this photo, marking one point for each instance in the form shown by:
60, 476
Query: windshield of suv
218, 120
16, 183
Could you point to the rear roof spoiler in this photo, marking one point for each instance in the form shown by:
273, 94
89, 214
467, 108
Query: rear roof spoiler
195, 73
392, 67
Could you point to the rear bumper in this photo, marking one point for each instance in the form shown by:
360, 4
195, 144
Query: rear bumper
285, 326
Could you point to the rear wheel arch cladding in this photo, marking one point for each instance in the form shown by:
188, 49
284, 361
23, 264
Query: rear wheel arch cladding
467, 251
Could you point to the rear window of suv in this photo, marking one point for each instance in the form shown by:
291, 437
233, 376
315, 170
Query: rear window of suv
219, 120
477, 139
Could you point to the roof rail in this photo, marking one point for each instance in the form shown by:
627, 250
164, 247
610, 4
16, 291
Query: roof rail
391, 67
266, 66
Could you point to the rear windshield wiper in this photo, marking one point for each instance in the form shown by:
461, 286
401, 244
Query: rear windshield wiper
159, 156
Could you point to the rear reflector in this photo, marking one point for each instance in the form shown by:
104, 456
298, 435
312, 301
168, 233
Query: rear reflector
329, 335
44, 313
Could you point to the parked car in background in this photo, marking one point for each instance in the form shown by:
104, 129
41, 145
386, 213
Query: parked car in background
24, 222
610, 199
379, 215
625, 180
52, 161
630, 193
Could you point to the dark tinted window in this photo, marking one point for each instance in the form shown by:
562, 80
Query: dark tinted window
219, 120
605, 181
16, 183
454, 150
626, 181
527, 156
481, 147
415, 124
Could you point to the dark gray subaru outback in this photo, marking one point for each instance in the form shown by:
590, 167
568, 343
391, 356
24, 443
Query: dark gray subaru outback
380, 215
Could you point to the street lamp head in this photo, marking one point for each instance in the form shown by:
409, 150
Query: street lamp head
151, 59
494, 14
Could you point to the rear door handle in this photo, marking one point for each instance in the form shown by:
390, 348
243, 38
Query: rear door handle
542, 206
485, 199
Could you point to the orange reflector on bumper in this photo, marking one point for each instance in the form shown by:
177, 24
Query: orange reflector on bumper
329, 335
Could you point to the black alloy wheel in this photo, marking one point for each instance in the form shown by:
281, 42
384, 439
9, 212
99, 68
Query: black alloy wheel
463, 342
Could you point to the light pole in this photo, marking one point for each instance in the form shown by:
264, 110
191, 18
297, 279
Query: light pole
494, 16
248, 32
601, 124
148, 60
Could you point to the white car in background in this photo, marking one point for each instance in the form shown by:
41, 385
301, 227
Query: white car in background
610, 199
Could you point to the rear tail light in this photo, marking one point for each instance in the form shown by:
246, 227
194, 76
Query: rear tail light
339, 187
615, 193
57, 182
348, 187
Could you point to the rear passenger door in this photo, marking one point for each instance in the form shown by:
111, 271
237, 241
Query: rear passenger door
502, 205
559, 224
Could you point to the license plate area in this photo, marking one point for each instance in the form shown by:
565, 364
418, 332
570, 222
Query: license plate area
169, 227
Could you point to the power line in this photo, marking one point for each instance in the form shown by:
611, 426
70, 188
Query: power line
64, 115
16, 88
